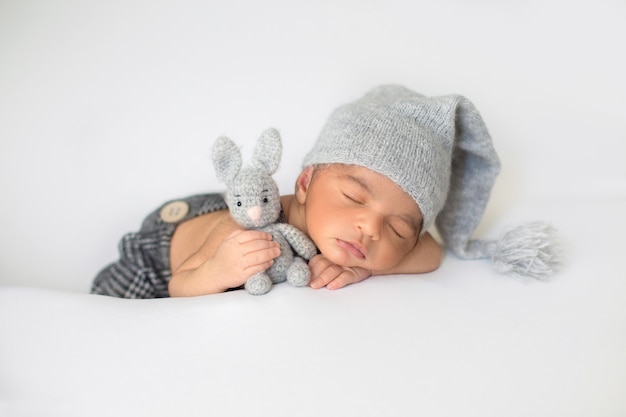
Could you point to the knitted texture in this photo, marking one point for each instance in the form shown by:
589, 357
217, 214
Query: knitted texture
528, 250
253, 199
437, 149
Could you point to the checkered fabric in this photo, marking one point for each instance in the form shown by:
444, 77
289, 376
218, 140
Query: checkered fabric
143, 270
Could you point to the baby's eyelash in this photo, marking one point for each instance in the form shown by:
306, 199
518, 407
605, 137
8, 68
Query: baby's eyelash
353, 199
396, 232
402, 234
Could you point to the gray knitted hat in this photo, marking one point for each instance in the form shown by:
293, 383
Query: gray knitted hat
439, 151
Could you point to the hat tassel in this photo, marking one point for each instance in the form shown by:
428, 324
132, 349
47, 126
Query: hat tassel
529, 249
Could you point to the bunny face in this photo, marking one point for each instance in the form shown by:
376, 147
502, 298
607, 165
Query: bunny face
252, 196
253, 199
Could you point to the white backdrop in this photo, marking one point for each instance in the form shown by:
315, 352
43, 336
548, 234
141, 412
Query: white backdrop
109, 108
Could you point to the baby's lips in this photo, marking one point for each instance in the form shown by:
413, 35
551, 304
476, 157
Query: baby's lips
354, 248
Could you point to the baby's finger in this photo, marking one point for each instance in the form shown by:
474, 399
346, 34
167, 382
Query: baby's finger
245, 236
268, 251
260, 245
318, 264
322, 277
345, 278
336, 284
259, 267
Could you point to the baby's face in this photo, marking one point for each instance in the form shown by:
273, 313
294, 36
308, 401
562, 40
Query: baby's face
359, 218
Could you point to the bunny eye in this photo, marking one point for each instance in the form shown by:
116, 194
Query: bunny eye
238, 203
265, 199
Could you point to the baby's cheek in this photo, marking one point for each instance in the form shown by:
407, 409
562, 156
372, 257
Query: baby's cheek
387, 258
335, 257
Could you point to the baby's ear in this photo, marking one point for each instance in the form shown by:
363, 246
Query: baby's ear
303, 182
268, 151
226, 159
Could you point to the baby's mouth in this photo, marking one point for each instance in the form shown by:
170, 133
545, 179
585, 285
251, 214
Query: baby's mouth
355, 249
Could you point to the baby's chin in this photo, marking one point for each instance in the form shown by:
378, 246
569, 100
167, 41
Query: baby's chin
337, 258
344, 260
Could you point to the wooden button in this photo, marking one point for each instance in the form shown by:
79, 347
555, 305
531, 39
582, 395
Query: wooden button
174, 211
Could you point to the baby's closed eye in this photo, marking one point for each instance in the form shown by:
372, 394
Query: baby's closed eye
402, 229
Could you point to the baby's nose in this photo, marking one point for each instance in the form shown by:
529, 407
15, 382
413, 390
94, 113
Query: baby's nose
254, 213
370, 225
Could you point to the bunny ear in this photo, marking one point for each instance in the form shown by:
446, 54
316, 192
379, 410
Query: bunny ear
226, 159
268, 151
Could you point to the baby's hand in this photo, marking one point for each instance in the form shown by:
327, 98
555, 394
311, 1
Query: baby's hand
324, 273
242, 254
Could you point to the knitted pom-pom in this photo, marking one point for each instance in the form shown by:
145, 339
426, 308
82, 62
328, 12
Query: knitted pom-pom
530, 249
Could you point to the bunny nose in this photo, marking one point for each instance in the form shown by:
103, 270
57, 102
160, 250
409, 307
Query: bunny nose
254, 213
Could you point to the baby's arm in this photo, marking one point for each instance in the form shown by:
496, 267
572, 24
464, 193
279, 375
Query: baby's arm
226, 259
424, 257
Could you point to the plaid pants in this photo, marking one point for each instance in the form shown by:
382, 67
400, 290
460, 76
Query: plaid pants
143, 270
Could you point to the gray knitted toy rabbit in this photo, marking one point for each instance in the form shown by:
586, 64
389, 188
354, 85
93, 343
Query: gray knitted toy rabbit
253, 199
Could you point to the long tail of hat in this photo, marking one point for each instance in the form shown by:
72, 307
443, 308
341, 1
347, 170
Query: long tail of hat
530, 249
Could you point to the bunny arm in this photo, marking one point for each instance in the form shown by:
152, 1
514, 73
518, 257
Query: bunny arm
300, 243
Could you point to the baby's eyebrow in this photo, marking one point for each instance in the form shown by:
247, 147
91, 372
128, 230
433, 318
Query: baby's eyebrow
359, 182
